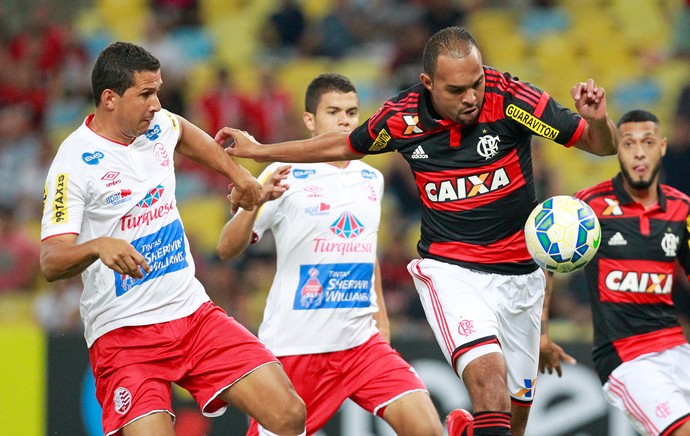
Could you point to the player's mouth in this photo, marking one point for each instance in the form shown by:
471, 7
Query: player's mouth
640, 169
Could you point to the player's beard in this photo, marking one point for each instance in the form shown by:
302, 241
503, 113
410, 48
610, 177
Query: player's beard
644, 183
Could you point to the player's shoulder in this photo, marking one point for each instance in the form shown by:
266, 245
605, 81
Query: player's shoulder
675, 194
510, 86
366, 170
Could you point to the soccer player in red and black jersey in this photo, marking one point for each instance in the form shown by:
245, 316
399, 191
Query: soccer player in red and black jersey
465, 131
640, 352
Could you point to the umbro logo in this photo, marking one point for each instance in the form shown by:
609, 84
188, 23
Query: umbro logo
617, 239
419, 153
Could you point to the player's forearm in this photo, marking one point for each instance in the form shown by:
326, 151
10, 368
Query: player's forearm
236, 234
601, 138
327, 147
61, 260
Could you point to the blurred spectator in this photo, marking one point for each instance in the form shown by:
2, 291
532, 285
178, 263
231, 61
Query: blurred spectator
677, 160
284, 28
19, 255
439, 14
57, 308
179, 12
19, 147
221, 105
275, 114
406, 63
681, 31
338, 33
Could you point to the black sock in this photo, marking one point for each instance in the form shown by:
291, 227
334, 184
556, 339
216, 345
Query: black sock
492, 423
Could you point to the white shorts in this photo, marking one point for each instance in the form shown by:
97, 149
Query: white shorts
474, 313
653, 390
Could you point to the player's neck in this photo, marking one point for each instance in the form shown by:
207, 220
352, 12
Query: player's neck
646, 197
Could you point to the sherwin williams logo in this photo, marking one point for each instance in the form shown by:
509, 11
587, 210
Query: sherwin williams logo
152, 196
303, 174
347, 226
334, 286
164, 251
92, 158
154, 133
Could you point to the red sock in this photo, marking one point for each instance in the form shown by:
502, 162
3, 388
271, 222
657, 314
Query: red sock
491, 423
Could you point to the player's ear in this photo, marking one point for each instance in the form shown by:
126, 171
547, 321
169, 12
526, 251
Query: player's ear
426, 81
664, 146
309, 121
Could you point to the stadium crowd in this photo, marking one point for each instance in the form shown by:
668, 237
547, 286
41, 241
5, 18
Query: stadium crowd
44, 92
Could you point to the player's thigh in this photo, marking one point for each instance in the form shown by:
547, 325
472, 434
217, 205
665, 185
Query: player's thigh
648, 390
519, 301
265, 392
319, 382
159, 423
457, 304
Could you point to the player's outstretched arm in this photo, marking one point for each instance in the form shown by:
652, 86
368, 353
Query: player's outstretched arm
62, 257
550, 354
200, 147
600, 136
327, 147
236, 234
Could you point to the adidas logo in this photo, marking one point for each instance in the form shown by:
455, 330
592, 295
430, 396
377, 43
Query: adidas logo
617, 239
419, 153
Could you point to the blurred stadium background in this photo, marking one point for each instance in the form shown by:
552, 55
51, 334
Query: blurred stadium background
246, 63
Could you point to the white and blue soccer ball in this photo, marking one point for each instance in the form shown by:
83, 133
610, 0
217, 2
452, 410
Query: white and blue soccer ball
562, 234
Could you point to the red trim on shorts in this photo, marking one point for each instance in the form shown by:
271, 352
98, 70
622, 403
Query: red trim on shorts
520, 403
464, 348
673, 427
631, 406
438, 310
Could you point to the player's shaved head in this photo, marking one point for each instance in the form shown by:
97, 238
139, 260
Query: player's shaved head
456, 42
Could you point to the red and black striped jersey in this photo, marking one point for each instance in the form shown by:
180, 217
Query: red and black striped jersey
475, 182
631, 276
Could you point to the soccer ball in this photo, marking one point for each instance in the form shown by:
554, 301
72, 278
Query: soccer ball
562, 234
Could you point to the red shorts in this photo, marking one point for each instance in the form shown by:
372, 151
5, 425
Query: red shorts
204, 353
373, 375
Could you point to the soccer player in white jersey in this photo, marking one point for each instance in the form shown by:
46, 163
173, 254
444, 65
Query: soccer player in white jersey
110, 215
325, 316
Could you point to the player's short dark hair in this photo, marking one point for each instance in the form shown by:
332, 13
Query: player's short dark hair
637, 116
455, 41
323, 84
115, 67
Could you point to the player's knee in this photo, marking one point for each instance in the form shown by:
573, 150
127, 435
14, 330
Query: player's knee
427, 427
288, 419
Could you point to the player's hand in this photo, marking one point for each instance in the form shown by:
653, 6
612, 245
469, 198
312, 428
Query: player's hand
245, 191
590, 100
551, 355
274, 187
242, 144
121, 256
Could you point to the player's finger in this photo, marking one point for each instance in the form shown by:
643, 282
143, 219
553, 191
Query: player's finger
223, 135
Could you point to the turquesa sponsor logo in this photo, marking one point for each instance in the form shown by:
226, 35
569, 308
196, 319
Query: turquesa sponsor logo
641, 282
323, 245
457, 189
60, 200
151, 214
530, 121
